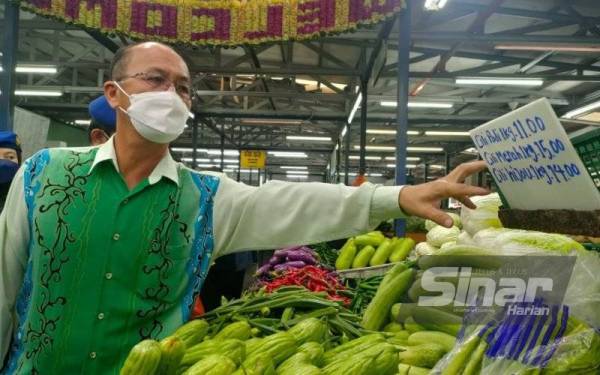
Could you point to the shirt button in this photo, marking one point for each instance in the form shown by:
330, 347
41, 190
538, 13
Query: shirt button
116, 236
108, 276
100, 316
126, 200
93, 355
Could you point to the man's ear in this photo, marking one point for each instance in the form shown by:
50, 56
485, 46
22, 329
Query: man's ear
111, 92
98, 137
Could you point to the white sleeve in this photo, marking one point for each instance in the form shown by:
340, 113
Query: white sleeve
279, 214
14, 239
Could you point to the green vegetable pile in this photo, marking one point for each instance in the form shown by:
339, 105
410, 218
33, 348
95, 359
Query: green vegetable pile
373, 249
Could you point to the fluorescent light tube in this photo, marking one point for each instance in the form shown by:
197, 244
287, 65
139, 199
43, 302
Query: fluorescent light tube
437, 105
288, 154
293, 167
355, 107
226, 161
37, 93
390, 131
408, 158
582, 110
409, 166
307, 138
357, 157
376, 148
424, 149
83, 122
548, 47
198, 160
500, 81
39, 69
296, 172
299, 176
225, 152
446, 133
344, 131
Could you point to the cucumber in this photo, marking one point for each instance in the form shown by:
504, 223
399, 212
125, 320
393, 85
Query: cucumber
382, 254
363, 257
424, 337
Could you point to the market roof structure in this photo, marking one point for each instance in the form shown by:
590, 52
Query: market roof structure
470, 62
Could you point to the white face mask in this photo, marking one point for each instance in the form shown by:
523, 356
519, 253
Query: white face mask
158, 116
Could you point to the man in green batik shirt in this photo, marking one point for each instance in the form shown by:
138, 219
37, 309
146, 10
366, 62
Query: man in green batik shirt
101, 247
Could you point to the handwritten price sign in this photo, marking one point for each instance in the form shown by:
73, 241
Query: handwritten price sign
533, 162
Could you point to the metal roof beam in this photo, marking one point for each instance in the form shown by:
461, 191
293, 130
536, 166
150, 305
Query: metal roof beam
462, 5
503, 38
279, 71
504, 58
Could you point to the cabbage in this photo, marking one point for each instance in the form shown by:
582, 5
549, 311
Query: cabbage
447, 245
423, 248
456, 219
430, 224
464, 238
439, 235
516, 241
485, 216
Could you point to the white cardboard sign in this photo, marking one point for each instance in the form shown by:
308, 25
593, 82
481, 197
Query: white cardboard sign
533, 162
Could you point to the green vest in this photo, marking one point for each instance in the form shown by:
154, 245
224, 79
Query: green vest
107, 267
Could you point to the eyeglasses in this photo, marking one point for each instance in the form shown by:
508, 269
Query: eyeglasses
159, 81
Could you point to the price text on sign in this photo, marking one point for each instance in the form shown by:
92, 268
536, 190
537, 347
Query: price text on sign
533, 162
252, 159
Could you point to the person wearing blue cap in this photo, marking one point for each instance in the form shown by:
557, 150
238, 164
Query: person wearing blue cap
10, 160
104, 121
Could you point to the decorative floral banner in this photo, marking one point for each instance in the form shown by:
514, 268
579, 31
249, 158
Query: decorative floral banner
217, 22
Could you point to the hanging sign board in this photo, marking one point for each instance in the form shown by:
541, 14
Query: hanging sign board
533, 162
252, 159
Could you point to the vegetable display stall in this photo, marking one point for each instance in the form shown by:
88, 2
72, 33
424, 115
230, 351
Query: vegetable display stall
305, 319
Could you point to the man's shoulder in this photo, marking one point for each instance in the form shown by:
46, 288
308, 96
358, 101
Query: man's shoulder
54, 154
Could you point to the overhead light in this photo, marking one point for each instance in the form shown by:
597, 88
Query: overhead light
296, 172
198, 160
500, 81
408, 158
226, 161
548, 47
446, 133
435, 4
437, 105
355, 107
309, 82
424, 149
207, 166
271, 122
225, 152
470, 150
187, 149
376, 148
409, 166
39, 69
357, 157
293, 167
37, 93
437, 166
582, 110
288, 154
299, 176
375, 174
226, 170
344, 131
390, 131
307, 138
83, 122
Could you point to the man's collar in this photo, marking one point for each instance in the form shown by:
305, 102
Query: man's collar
167, 167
